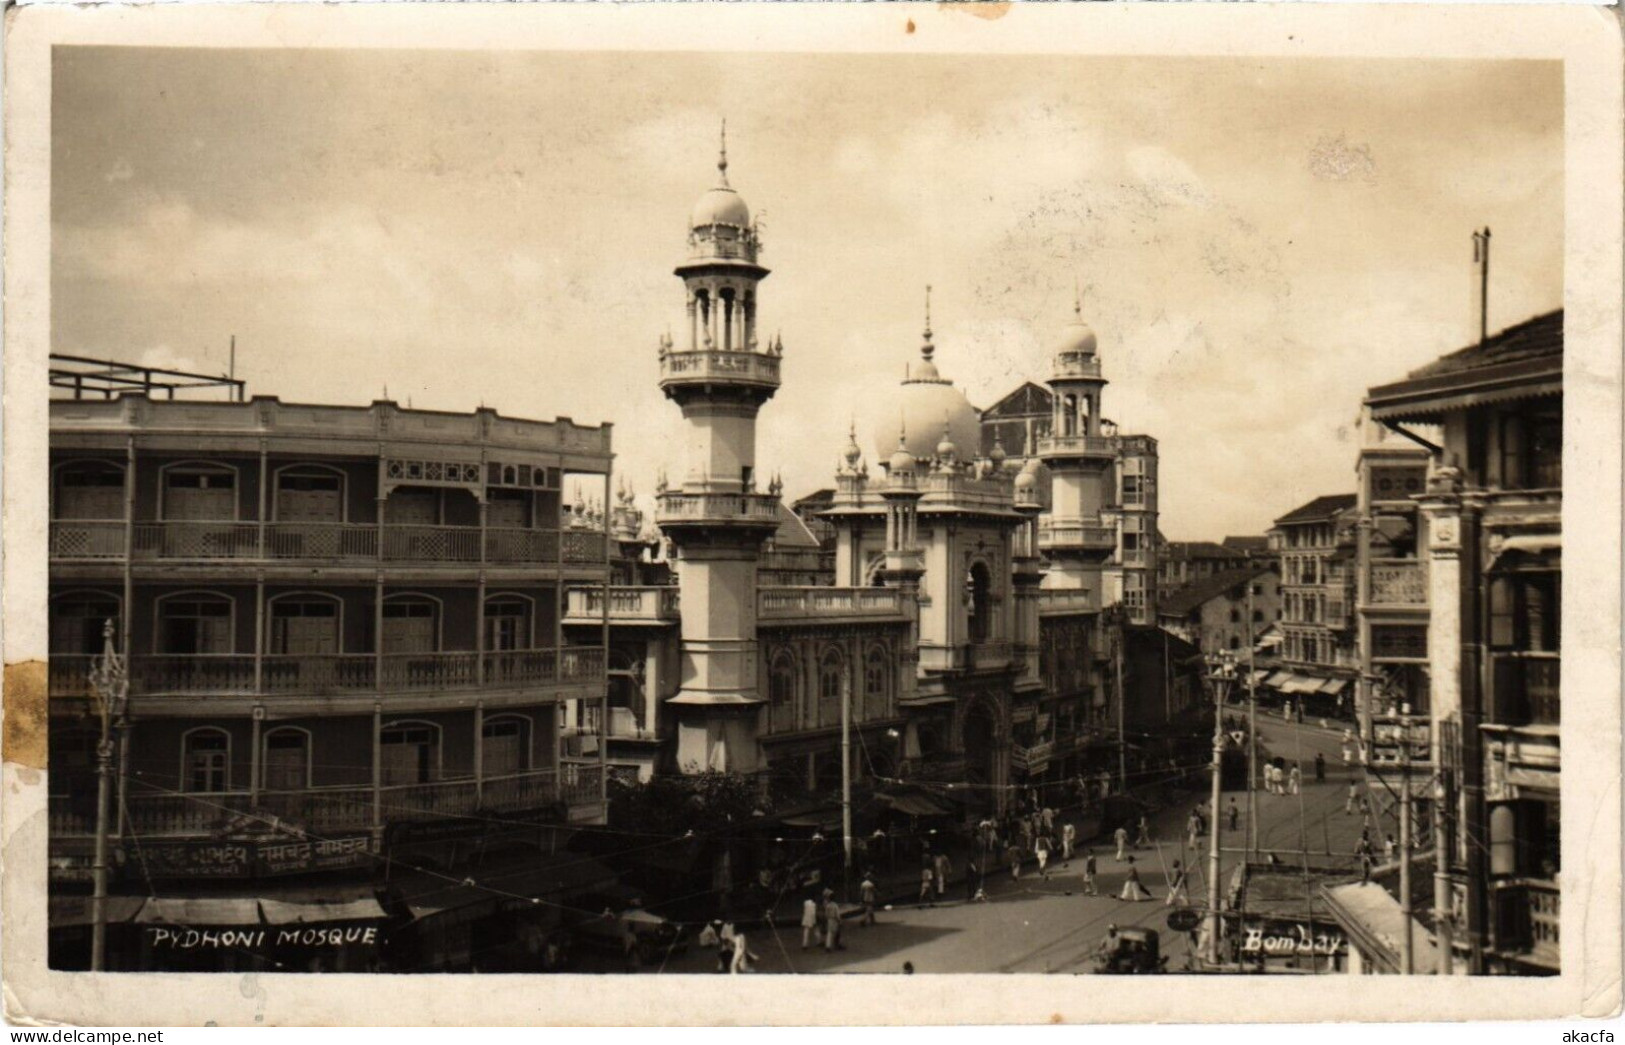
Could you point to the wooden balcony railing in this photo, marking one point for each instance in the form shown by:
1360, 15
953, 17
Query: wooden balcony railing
675, 506
751, 367
335, 809
322, 542
1528, 689
335, 673
87, 540
1529, 921
1076, 533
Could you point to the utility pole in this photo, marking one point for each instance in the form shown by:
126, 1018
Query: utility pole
1407, 953
1252, 734
110, 682
1122, 737
1220, 673
846, 779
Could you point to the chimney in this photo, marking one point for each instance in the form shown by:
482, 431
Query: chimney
1481, 283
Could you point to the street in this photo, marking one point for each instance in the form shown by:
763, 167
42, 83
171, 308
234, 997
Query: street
1037, 925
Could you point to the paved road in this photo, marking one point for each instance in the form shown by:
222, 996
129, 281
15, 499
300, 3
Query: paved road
1037, 925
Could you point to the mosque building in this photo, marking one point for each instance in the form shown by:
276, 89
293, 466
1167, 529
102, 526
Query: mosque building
975, 624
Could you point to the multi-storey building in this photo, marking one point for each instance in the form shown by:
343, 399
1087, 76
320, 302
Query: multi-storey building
1224, 611
1183, 563
335, 620
1316, 544
1462, 607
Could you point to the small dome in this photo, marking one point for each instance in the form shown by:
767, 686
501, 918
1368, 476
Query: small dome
720, 206
901, 461
1025, 481
1076, 338
946, 448
930, 408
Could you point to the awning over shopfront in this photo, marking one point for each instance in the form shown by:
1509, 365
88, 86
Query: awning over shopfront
69, 911
212, 910
1539, 550
510, 881
341, 903
1372, 920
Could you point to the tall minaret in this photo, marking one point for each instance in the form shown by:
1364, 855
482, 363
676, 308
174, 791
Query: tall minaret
715, 519
1074, 537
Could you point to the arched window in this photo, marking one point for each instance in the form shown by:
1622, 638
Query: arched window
831, 677
89, 490
781, 693
194, 622
206, 760
310, 493
876, 682
409, 752
77, 619
411, 624
305, 623
199, 491
286, 760
979, 593
506, 742
507, 622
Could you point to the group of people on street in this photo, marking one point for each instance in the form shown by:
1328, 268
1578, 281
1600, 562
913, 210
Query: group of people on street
733, 951
821, 917
1279, 780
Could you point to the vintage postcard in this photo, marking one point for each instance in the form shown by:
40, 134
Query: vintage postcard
1124, 537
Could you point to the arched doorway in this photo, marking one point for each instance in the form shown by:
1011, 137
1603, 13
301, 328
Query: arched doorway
979, 739
979, 584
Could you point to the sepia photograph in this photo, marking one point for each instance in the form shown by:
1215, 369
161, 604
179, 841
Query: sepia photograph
1124, 536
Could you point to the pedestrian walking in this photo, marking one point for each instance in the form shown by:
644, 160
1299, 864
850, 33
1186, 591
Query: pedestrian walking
1049, 820
1235, 814
1041, 851
725, 947
1069, 839
1132, 888
1294, 779
866, 893
1348, 747
809, 924
1176, 891
1389, 848
1145, 834
1354, 794
1120, 836
1013, 855
742, 957
832, 923
973, 879
1089, 874
943, 867
928, 878
1320, 768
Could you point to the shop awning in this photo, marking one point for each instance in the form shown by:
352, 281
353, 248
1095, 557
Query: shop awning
296, 911
209, 910
1301, 684
1374, 922
1332, 687
916, 804
817, 818
1278, 679
69, 911
1523, 546
511, 880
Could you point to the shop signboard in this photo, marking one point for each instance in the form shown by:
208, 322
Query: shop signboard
250, 859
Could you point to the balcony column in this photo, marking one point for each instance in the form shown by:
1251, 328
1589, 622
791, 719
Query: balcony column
259, 631
126, 615
485, 512
479, 621
255, 719
378, 632
377, 772
479, 753
259, 516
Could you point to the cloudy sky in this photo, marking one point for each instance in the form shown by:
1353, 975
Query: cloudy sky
1257, 240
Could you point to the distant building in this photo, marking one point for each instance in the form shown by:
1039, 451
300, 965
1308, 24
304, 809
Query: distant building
1226, 611
1257, 549
1182, 563
1016, 422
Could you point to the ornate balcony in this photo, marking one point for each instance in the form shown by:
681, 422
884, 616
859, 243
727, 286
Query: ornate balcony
719, 367
1085, 534
821, 602
993, 655
338, 674
627, 605
1397, 582
324, 810
1098, 446
87, 539
716, 509
1066, 600
1529, 922
1075, 366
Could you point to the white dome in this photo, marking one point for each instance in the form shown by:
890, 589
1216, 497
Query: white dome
720, 206
1076, 339
922, 407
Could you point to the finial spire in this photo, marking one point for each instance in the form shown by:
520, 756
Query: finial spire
927, 349
1077, 298
902, 430
722, 156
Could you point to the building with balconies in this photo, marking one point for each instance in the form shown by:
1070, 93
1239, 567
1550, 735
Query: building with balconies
335, 619
1316, 544
1466, 596
1223, 611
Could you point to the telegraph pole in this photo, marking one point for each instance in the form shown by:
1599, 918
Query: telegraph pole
1252, 735
1407, 953
1122, 736
111, 684
846, 779
1219, 677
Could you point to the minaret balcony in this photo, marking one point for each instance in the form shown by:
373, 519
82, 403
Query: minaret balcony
1075, 366
717, 367
676, 507
1076, 535
1098, 446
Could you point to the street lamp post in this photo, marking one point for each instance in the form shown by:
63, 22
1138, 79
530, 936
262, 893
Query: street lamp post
110, 682
1221, 673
